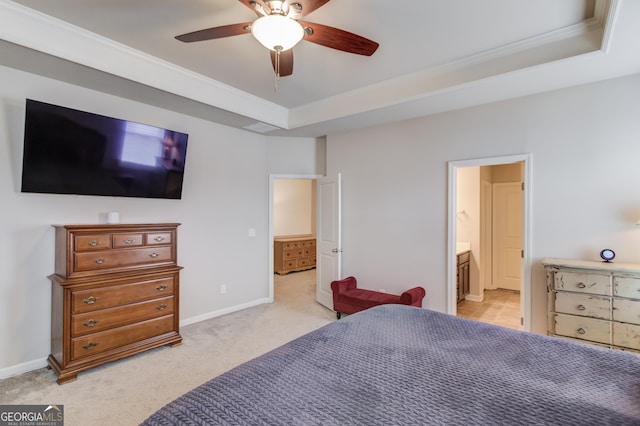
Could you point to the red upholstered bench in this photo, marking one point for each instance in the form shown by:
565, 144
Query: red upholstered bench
349, 299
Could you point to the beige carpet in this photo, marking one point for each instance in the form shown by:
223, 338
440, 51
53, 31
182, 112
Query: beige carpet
128, 391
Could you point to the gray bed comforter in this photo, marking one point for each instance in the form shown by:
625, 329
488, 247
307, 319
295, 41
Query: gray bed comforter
398, 365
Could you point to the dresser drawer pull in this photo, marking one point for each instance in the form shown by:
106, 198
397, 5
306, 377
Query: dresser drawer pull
100, 260
582, 285
90, 346
581, 307
129, 241
159, 238
90, 323
581, 331
93, 243
161, 307
91, 300
162, 287
153, 255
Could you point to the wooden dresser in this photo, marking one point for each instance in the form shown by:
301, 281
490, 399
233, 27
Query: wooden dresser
115, 293
294, 253
596, 302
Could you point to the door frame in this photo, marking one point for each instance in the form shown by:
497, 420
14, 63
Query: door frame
270, 237
525, 295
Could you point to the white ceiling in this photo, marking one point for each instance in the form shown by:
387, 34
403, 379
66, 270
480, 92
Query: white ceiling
434, 55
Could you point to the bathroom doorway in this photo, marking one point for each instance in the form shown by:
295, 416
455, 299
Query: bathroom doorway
488, 223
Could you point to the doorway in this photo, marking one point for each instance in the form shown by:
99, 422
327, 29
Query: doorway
292, 214
481, 193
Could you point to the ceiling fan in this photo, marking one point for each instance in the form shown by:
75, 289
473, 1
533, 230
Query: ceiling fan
278, 28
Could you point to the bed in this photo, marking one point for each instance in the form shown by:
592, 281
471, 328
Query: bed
401, 365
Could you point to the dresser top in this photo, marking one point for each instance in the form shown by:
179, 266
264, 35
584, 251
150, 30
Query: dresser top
287, 238
118, 226
592, 264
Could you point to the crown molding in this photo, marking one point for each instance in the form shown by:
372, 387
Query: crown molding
37, 31
40, 32
462, 73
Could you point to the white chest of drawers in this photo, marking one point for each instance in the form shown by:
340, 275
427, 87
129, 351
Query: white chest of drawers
596, 302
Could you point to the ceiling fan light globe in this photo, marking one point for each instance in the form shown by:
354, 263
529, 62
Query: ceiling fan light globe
277, 32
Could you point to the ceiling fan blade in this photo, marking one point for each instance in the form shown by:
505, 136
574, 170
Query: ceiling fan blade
307, 6
216, 32
285, 65
338, 39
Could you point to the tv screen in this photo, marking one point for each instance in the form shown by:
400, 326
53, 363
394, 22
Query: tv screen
67, 151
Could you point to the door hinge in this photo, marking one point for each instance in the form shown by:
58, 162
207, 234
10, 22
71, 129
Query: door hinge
522, 254
521, 321
523, 186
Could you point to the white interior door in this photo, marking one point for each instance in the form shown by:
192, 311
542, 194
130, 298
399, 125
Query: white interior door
507, 227
328, 237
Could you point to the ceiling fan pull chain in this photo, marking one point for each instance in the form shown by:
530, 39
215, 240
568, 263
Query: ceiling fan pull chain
275, 83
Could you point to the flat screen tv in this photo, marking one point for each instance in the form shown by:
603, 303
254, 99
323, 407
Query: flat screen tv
67, 151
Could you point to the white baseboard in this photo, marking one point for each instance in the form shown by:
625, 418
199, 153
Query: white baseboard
25, 367
221, 312
473, 298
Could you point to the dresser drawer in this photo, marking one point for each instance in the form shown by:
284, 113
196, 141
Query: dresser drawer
293, 254
127, 240
157, 238
585, 305
91, 322
626, 335
305, 261
583, 282
290, 264
92, 242
626, 287
591, 329
115, 259
95, 343
122, 294
290, 245
308, 244
626, 310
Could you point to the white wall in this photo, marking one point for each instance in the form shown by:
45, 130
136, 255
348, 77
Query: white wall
292, 207
225, 193
585, 146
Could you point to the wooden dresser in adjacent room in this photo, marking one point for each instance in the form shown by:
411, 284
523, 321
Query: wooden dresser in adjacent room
115, 293
294, 253
594, 302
